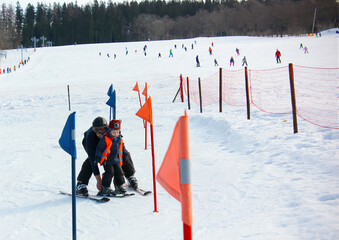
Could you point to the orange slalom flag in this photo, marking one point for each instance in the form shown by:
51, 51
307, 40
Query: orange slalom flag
145, 91
145, 112
174, 173
136, 87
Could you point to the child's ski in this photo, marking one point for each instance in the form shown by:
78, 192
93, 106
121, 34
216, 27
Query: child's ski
91, 197
139, 190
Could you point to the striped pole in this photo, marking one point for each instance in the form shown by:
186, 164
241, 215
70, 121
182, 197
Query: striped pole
185, 178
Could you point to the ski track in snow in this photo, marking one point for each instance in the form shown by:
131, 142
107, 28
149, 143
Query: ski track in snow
251, 179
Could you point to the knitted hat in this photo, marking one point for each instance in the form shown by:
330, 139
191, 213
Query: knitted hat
115, 124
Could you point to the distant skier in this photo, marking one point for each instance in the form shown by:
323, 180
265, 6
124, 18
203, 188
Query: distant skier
216, 62
301, 46
159, 55
305, 49
232, 61
126, 50
237, 51
171, 53
107, 54
277, 56
197, 60
210, 50
244, 61
192, 47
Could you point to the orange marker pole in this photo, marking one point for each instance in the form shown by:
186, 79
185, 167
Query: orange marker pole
145, 121
153, 167
185, 178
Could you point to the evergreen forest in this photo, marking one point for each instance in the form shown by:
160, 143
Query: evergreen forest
106, 21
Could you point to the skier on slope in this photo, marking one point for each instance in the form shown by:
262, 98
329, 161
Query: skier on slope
277, 56
90, 142
111, 154
244, 61
232, 61
197, 60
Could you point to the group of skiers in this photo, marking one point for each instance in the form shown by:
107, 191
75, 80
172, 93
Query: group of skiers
210, 50
104, 145
244, 60
9, 69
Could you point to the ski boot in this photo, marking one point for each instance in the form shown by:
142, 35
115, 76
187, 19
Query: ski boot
133, 182
81, 189
106, 191
120, 189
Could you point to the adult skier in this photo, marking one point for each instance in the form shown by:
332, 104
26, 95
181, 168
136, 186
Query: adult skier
232, 61
277, 56
244, 61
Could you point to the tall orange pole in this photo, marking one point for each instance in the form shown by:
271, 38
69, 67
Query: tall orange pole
145, 121
153, 167
185, 178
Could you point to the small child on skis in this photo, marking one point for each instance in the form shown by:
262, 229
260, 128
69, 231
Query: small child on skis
110, 153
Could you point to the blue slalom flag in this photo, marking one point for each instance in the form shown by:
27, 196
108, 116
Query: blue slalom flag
111, 100
67, 139
110, 90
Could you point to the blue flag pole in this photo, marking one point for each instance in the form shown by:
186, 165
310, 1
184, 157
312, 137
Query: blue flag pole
74, 222
115, 104
67, 143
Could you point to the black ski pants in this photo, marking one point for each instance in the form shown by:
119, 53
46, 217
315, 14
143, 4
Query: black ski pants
86, 169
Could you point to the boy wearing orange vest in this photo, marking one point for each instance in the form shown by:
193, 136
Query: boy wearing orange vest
110, 153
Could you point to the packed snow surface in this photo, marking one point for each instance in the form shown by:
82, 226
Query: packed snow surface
251, 179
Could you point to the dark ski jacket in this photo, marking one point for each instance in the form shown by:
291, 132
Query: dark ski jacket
90, 143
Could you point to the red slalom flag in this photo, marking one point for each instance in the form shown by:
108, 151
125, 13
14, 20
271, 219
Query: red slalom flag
145, 111
136, 87
174, 173
145, 91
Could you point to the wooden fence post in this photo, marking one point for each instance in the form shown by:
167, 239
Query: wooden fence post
293, 99
188, 94
247, 95
200, 98
220, 89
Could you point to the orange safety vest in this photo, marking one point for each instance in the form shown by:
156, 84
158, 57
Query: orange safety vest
107, 151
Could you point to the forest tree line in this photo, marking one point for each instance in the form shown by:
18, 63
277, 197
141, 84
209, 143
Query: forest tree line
99, 22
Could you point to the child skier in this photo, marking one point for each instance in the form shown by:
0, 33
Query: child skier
110, 153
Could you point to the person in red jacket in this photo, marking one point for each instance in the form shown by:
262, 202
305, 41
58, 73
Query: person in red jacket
277, 56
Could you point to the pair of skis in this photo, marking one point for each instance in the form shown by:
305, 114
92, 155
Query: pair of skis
107, 199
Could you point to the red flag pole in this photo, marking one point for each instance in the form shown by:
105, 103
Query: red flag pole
187, 232
145, 121
185, 177
153, 167
139, 98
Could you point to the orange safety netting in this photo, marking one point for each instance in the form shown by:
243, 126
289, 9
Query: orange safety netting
317, 94
270, 90
316, 91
